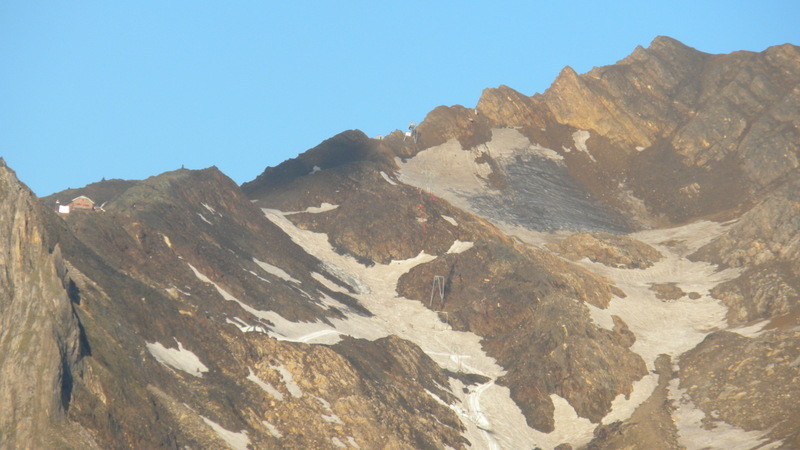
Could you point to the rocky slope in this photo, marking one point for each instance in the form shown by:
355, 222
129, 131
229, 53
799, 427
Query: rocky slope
200, 311
537, 271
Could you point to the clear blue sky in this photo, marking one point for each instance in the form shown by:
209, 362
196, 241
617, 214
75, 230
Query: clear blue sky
131, 89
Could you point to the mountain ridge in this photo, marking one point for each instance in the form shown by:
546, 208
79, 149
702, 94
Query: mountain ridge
510, 275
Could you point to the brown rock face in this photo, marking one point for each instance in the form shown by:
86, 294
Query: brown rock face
667, 291
505, 107
748, 382
524, 306
689, 110
765, 242
636, 101
41, 340
609, 249
349, 146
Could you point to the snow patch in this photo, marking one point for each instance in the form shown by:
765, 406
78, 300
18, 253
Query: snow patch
204, 219
274, 270
328, 283
180, 358
450, 220
268, 388
388, 180
245, 327
459, 247
751, 331
546, 153
209, 208
332, 418
288, 380
314, 170
622, 408
579, 138
323, 207
283, 329
272, 429
237, 441
463, 176
258, 276
338, 443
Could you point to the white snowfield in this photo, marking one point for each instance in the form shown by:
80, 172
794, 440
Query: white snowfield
668, 327
180, 358
539, 193
676, 326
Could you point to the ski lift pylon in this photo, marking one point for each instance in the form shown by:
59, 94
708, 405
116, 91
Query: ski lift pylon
437, 288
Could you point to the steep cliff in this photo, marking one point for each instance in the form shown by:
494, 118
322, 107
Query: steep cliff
41, 338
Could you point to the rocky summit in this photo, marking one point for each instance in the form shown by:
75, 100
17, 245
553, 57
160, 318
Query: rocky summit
613, 263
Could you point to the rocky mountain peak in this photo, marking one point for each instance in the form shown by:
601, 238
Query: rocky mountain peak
666, 45
503, 106
344, 148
